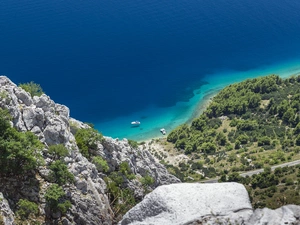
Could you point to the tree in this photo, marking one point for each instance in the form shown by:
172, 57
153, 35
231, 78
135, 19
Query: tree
243, 138
298, 140
237, 144
254, 100
289, 115
232, 157
221, 139
208, 147
263, 141
19, 152
199, 124
297, 129
32, 88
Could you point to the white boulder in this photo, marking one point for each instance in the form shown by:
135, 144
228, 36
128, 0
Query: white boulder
187, 203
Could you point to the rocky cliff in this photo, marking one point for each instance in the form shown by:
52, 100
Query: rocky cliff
51, 122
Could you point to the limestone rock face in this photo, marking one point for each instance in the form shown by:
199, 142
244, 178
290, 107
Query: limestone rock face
195, 204
141, 163
140, 160
191, 203
48, 120
52, 124
288, 214
7, 216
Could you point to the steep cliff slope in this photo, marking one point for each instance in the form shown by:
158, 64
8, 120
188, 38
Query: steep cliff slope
88, 194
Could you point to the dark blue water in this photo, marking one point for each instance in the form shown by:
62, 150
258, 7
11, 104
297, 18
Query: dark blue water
110, 58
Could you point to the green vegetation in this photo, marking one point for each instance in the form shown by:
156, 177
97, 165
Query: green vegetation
26, 208
101, 164
56, 199
32, 88
272, 189
86, 140
249, 125
133, 143
19, 151
122, 199
58, 151
60, 174
147, 180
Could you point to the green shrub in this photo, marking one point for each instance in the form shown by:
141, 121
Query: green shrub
60, 174
26, 208
208, 147
58, 151
133, 143
100, 164
87, 139
32, 88
124, 168
263, 141
197, 165
147, 180
55, 198
19, 151
121, 199
64, 206
289, 181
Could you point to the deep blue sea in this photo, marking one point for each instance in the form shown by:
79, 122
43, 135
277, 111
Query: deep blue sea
115, 61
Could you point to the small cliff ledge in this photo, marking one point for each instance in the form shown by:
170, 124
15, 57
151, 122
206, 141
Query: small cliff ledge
195, 204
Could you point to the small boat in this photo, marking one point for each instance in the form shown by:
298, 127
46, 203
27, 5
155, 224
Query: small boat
135, 123
163, 131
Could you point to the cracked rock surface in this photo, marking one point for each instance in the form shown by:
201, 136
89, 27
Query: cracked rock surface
195, 204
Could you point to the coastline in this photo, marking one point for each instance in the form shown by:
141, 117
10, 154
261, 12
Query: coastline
154, 118
201, 106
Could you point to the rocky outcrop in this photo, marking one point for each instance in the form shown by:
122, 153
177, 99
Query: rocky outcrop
6, 214
51, 122
195, 204
288, 214
140, 160
189, 203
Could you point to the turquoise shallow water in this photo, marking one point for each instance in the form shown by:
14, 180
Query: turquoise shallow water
154, 118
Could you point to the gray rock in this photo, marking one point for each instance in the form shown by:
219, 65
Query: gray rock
5, 211
33, 117
141, 162
56, 133
289, 214
82, 186
44, 102
189, 203
23, 96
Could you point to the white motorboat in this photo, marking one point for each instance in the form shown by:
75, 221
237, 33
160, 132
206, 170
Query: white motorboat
135, 123
163, 131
